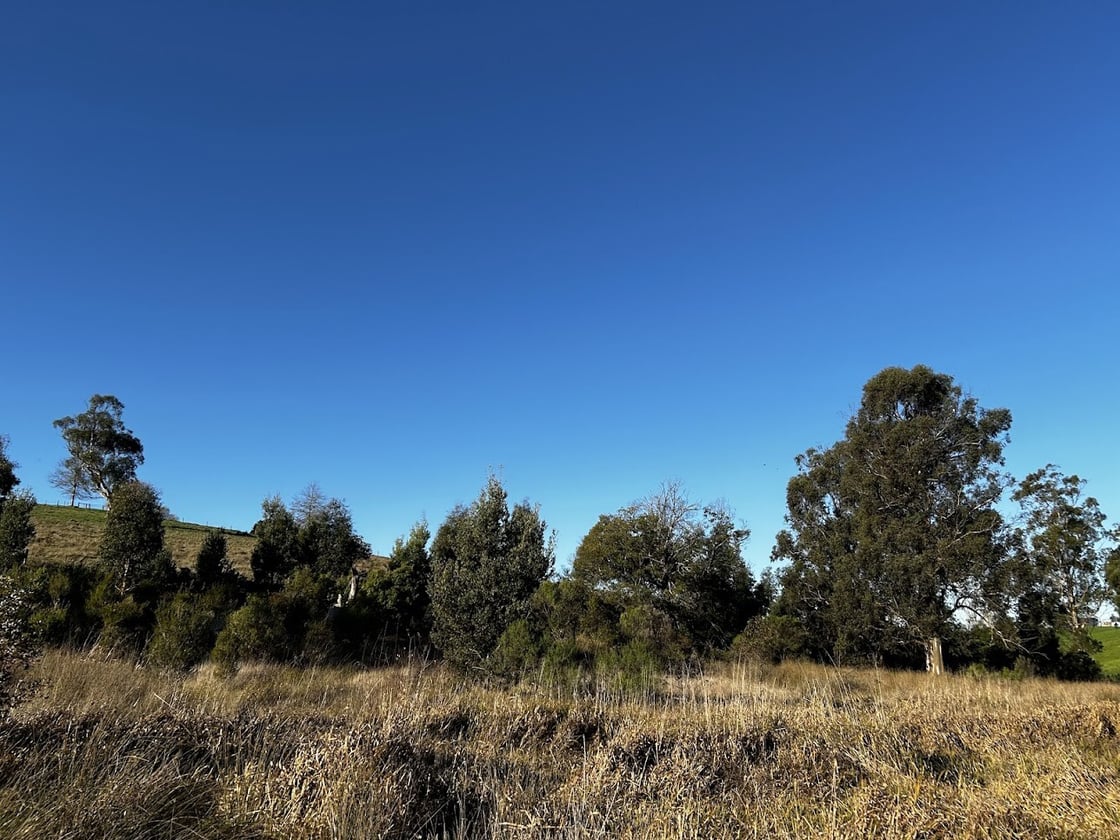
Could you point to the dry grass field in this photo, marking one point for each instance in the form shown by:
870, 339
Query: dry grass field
109, 750
67, 535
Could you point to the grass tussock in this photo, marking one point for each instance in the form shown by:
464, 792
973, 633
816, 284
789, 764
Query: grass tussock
110, 750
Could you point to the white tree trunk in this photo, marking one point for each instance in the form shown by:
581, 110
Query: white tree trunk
934, 663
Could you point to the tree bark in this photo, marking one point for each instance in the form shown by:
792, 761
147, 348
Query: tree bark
934, 663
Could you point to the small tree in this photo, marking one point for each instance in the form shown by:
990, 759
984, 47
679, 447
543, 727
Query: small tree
8, 479
211, 564
17, 646
70, 478
184, 633
16, 529
321, 537
399, 592
1065, 543
672, 571
327, 542
275, 554
487, 561
106, 453
132, 544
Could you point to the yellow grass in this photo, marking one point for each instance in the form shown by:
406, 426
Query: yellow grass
413, 751
73, 535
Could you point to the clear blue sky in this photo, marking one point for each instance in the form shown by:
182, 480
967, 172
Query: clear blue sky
386, 247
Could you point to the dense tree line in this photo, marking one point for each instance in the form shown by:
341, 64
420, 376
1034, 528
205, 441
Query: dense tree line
896, 551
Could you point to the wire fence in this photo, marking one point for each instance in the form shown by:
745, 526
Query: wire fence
80, 505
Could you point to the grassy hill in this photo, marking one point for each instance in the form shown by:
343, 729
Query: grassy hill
66, 534
1109, 658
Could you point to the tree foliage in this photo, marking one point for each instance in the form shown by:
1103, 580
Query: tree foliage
8, 479
487, 561
320, 535
327, 542
18, 646
275, 554
211, 562
16, 529
399, 592
671, 571
70, 478
1065, 543
893, 530
132, 545
100, 448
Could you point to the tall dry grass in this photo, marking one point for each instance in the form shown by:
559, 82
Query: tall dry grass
110, 750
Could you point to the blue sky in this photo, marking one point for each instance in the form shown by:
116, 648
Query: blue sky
387, 247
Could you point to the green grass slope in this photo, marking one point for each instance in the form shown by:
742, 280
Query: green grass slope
67, 535
1109, 657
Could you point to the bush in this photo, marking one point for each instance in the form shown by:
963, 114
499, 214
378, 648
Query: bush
124, 623
16, 529
17, 644
771, 638
256, 631
184, 633
211, 563
632, 669
517, 651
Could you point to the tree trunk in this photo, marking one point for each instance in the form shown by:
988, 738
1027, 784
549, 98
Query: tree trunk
934, 663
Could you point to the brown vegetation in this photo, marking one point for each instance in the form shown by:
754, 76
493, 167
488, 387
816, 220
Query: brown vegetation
73, 535
110, 750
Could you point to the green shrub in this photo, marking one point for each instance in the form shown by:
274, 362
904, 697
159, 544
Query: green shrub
771, 638
184, 633
633, 669
211, 564
256, 631
17, 643
517, 652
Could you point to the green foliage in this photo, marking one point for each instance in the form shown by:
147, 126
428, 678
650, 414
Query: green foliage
184, 633
211, 564
16, 529
487, 561
304, 602
17, 642
132, 545
1064, 544
63, 615
771, 638
518, 651
398, 593
125, 623
671, 573
327, 542
254, 632
632, 669
288, 625
893, 529
8, 479
321, 537
101, 449
275, 555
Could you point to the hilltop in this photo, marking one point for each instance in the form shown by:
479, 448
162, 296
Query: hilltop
71, 534
66, 534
